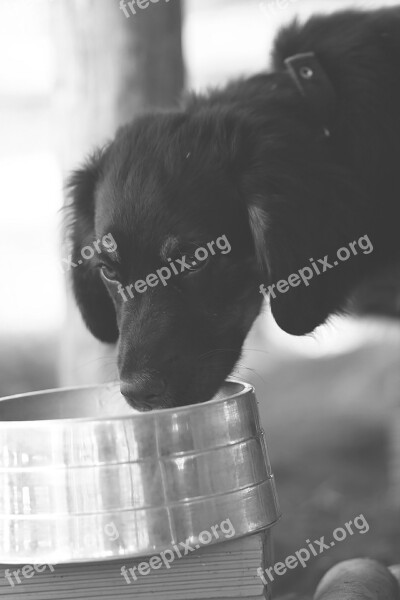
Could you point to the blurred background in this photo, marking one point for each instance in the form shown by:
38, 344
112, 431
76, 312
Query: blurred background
72, 71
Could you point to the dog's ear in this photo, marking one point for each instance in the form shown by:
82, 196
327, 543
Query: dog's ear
91, 295
292, 237
297, 310
301, 205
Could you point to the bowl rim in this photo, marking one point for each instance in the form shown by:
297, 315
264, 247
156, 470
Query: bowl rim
246, 388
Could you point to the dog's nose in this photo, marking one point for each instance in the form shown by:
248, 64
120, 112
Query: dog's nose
143, 390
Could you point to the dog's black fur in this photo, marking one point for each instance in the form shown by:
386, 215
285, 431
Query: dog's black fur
249, 162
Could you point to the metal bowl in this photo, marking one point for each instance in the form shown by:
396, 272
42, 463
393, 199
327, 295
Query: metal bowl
84, 477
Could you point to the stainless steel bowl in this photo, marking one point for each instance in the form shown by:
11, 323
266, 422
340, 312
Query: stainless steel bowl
84, 477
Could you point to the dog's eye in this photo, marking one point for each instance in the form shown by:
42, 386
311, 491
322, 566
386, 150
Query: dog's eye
109, 274
194, 263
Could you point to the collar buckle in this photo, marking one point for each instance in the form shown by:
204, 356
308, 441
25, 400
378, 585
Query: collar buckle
314, 85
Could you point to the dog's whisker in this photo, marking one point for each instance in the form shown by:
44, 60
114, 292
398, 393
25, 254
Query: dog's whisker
257, 350
218, 350
253, 371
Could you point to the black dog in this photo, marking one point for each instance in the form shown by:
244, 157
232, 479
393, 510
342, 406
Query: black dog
289, 166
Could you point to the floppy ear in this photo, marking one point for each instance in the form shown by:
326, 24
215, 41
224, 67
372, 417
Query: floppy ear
289, 237
91, 295
299, 310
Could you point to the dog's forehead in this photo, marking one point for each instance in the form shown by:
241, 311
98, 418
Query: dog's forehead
137, 197
134, 212
136, 176
134, 201
156, 188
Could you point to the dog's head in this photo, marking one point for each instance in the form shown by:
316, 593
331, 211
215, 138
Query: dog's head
197, 197
162, 205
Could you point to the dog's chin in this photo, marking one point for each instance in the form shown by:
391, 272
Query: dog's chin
159, 404
203, 391
176, 399
200, 385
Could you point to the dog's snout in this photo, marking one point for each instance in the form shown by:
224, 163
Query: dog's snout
143, 390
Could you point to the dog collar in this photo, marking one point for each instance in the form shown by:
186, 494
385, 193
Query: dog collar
314, 85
